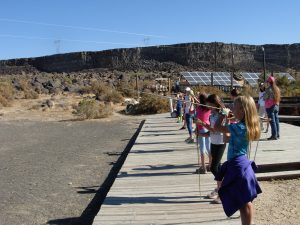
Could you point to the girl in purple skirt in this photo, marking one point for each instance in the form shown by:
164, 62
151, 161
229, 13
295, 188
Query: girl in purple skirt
239, 184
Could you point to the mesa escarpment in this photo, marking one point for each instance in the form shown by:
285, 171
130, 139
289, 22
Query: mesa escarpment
171, 58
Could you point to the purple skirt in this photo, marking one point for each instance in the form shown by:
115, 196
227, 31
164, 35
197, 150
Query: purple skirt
239, 184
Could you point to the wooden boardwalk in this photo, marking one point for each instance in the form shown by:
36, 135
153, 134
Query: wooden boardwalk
157, 184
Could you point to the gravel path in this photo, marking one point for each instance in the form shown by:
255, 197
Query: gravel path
279, 204
50, 171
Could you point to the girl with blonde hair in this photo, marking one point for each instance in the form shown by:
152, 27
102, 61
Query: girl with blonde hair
239, 185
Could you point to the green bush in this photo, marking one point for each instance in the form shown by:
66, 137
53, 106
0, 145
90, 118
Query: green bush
92, 109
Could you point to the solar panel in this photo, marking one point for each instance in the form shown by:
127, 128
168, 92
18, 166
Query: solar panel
289, 77
251, 78
204, 78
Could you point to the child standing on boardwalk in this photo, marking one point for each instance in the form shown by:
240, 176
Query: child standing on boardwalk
179, 104
203, 139
217, 146
239, 184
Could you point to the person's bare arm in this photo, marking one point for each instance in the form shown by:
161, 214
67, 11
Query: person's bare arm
207, 126
219, 127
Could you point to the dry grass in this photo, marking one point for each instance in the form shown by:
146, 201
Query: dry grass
27, 89
92, 109
151, 104
113, 96
104, 93
6, 94
209, 90
127, 90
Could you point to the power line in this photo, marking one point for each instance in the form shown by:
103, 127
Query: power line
81, 28
71, 40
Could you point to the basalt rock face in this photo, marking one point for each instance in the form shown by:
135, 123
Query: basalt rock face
190, 56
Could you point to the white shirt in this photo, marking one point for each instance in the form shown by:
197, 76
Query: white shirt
216, 138
187, 104
261, 100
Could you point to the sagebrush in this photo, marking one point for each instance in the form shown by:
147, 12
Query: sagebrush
92, 109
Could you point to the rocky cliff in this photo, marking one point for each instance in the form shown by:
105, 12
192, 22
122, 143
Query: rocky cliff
188, 56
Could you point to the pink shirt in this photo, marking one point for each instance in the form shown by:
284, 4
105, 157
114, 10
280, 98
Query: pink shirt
269, 103
202, 114
269, 98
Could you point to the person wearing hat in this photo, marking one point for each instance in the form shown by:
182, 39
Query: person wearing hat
188, 105
272, 100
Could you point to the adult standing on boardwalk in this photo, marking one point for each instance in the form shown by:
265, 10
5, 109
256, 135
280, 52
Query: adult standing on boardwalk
272, 100
261, 104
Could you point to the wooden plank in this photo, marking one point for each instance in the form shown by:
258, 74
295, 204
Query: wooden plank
157, 183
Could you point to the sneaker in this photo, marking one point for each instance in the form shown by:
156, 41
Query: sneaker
182, 128
213, 194
272, 138
188, 139
191, 141
201, 170
208, 168
216, 201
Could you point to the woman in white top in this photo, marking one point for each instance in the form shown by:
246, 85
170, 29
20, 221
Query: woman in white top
261, 105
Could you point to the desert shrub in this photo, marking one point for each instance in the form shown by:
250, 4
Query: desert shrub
29, 92
98, 88
6, 93
104, 93
127, 89
287, 87
151, 104
209, 90
92, 109
248, 90
113, 96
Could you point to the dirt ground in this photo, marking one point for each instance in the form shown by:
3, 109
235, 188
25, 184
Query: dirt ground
62, 109
52, 166
279, 204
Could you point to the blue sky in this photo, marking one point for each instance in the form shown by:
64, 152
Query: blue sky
32, 28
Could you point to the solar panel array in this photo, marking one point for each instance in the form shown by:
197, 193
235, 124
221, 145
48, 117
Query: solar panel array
289, 77
251, 78
204, 78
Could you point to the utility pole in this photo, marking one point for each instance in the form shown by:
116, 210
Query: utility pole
212, 75
232, 59
146, 41
57, 46
264, 63
137, 86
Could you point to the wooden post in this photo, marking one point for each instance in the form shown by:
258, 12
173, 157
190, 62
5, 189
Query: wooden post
232, 59
137, 86
169, 86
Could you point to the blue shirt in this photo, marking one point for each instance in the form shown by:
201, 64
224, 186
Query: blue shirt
238, 143
179, 104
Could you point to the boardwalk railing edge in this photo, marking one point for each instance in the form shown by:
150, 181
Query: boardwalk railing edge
88, 215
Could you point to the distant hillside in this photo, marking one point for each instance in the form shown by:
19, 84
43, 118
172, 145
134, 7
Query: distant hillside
179, 57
